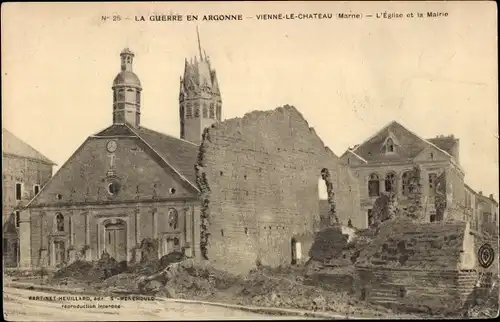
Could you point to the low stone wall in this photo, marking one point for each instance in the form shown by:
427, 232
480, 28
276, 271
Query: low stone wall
435, 292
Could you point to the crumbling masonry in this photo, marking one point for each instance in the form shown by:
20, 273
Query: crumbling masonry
258, 181
325, 175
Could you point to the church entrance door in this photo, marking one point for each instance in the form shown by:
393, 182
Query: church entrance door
116, 241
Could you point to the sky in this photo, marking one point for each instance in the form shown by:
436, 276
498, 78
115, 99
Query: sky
348, 77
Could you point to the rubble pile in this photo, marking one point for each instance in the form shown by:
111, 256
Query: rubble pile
90, 272
124, 282
328, 244
401, 243
486, 305
187, 279
260, 289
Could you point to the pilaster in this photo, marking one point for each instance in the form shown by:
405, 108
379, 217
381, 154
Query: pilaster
25, 239
137, 225
88, 252
188, 232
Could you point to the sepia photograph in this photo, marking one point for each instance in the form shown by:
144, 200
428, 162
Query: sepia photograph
250, 160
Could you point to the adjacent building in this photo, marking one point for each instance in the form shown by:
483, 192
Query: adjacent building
25, 171
384, 163
481, 212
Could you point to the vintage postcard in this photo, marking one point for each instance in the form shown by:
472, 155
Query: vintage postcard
249, 160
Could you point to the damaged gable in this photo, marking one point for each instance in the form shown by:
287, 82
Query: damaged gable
258, 177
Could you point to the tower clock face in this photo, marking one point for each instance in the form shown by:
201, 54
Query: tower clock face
111, 146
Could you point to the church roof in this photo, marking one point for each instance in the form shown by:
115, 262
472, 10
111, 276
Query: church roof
127, 78
179, 154
13, 145
126, 51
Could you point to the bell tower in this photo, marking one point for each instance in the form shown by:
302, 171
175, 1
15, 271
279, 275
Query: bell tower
127, 92
200, 103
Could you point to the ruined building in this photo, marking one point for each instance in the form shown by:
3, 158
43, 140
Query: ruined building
25, 171
387, 163
240, 192
258, 178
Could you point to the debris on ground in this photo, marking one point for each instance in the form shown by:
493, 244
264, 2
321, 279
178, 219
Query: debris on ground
487, 304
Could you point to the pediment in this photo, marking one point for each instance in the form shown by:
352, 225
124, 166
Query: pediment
133, 173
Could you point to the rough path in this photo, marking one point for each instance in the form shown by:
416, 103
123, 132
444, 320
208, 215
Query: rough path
18, 307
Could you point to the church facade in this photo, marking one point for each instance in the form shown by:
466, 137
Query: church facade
126, 183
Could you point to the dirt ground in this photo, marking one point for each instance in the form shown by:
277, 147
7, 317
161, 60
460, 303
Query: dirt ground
198, 280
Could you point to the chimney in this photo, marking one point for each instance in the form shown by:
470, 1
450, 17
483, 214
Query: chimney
491, 196
480, 193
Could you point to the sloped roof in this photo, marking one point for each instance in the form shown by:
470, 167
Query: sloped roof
410, 245
181, 155
409, 145
444, 143
13, 145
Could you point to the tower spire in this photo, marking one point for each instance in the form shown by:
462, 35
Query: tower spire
199, 43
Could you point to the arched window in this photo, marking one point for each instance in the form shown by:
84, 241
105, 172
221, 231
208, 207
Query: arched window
405, 183
205, 111
196, 111
322, 191
374, 185
389, 145
390, 182
173, 218
138, 97
59, 222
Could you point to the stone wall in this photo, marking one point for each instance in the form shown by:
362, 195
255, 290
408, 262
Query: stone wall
258, 177
29, 173
435, 292
403, 244
25, 171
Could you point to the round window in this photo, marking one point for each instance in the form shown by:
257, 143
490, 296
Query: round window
113, 188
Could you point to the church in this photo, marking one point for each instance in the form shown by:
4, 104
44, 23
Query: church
126, 182
237, 192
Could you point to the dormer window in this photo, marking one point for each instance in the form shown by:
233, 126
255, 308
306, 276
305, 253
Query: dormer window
389, 146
